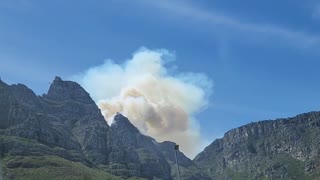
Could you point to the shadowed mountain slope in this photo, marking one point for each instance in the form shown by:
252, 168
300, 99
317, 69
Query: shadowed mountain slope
66, 123
63, 135
280, 149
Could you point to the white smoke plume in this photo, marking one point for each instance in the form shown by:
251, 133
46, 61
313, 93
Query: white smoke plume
157, 99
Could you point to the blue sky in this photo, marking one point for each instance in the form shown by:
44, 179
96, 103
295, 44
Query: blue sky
263, 56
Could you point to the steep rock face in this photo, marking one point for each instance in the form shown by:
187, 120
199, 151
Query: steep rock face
67, 90
66, 123
4, 105
188, 169
77, 114
280, 149
16, 102
136, 153
54, 121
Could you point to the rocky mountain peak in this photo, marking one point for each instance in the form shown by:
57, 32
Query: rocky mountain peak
122, 123
67, 90
19, 90
2, 84
57, 79
67, 124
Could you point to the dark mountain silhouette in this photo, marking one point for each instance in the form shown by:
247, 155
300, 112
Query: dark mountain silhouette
273, 149
62, 135
66, 123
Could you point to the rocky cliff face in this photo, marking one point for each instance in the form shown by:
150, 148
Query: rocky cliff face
188, 169
62, 134
280, 149
135, 154
62, 125
66, 123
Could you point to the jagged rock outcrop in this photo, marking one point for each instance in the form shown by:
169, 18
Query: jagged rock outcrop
65, 126
54, 121
75, 111
135, 154
279, 149
66, 122
67, 91
188, 169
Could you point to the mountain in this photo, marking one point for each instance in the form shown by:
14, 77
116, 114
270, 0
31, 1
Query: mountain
188, 169
279, 149
62, 134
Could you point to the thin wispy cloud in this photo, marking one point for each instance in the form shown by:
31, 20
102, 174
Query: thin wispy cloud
210, 18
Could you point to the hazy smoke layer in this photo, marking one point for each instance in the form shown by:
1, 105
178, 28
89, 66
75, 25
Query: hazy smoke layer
157, 99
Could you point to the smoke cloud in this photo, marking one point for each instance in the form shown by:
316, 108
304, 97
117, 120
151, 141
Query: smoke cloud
160, 101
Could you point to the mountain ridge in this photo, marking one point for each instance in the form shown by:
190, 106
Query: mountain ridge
286, 148
66, 123
64, 129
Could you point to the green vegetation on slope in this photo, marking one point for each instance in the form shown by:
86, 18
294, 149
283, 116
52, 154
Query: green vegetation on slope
50, 167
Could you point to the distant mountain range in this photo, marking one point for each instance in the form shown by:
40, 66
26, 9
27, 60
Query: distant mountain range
62, 135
